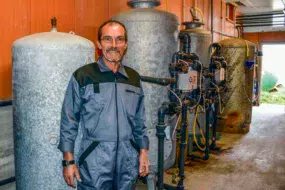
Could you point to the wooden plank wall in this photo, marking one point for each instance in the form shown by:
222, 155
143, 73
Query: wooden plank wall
24, 17
265, 37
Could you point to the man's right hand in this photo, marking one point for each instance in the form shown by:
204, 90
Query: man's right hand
69, 172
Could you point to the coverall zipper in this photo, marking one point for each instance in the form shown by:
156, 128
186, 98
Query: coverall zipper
116, 99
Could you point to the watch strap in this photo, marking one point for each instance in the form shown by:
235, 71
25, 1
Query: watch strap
67, 163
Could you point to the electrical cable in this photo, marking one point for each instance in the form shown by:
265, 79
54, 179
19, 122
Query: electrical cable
174, 131
185, 62
221, 110
215, 49
167, 9
201, 13
247, 48
194, 131
180, 102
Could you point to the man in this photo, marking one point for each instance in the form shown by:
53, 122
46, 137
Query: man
106, 98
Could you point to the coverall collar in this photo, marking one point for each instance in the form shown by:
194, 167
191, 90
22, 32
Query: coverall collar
104, 68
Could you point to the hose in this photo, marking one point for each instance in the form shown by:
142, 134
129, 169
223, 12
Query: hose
201, 13
213, 52
218, 90
174, 131
194, 131
180, 102
167, 5
247, 49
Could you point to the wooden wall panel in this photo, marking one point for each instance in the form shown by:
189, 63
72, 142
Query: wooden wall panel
271, 37
15, 21
24, 17
117, 6
253, 37
188, 5
217, 15
175, 7
64, 11
89, 15
207, 14
265, 37
42, 11
229, 28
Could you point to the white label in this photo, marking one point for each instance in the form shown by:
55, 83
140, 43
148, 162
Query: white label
220, 75
193, 80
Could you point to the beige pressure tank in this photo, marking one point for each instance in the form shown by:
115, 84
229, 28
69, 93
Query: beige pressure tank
238, 99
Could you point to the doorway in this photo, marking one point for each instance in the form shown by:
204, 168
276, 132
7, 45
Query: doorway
273, 76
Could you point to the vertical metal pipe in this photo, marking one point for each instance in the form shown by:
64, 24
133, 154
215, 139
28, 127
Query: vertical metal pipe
182, 147
214, 133
207, 151
259, 71
186, 42
160, 135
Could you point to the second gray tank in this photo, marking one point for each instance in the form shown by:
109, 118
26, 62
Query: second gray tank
152, 40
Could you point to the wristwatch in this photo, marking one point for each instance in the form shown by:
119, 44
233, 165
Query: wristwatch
67, 163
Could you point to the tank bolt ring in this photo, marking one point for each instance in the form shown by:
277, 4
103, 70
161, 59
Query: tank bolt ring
53, 140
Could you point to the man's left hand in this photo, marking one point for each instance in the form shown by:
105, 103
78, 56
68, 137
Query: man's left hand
144, 163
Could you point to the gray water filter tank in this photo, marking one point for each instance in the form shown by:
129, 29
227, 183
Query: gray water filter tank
152, 40
42, 66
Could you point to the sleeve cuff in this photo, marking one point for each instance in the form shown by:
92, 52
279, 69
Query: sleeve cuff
66, 147
143, 143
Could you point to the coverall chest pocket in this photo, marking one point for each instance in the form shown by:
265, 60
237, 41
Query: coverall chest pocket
98, 96
131, 98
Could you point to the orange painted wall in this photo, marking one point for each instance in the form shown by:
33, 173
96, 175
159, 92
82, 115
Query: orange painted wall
264, 37
24, 17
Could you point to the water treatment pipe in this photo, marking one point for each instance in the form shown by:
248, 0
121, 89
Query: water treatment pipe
159, 81
259, 18
213, 146
207, 151
160, 133
5, 103
259, 15
217, 48
186, 42
182, 144
7, 181
259, 25
224, 34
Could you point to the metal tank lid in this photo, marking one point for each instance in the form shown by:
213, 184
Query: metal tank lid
193, 24
236, 42
54, 40
194, 27
143, 3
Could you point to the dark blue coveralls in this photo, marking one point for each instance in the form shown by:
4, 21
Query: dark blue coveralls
110, 110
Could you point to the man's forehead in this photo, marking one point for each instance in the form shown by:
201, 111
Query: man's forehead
113, 27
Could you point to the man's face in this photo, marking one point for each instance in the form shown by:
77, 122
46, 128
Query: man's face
113, 43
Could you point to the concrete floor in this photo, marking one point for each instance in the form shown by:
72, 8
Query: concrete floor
254, 161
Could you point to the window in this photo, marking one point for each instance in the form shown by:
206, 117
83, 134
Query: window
230, 12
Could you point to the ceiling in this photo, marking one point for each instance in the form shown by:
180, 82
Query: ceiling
259, 6
261, 23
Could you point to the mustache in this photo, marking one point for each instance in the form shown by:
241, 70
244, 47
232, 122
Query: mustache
112, 49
